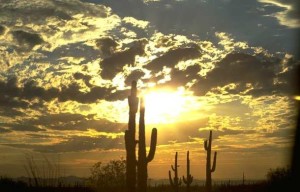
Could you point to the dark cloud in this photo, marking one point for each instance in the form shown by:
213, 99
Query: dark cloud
22, 126
86, 78
3, 130
40, 11
106, 45
69, 121
66, 53
2, 30
77, 144
72, 93
118, 95
115, 63
182, 77
14, 96
27, 39
134, 76
10, 93
172, 57
281, 133
241, 69
9, 111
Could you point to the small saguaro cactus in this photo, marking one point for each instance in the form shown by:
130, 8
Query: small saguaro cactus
189, 178
175, 182
209, 169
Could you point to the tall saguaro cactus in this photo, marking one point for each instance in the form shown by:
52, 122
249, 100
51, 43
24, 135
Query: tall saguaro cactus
189, 178
175, 182
130, 144
143, 160
209, 169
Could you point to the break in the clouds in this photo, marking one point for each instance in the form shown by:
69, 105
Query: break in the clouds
289, 15
66, 69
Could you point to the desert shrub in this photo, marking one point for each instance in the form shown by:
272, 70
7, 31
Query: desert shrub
110, 175
279, 179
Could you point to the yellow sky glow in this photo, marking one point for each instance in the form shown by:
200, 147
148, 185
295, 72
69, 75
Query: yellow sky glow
165, 106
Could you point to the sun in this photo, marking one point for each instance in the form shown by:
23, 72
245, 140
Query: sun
163, 106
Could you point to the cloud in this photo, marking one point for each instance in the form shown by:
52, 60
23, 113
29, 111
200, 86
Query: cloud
134, 76
2, 30
247, 74
19, 96
289, 15
204, 18
107, 46
27, 39
76, 144
75, 122
112, 65
172, 57
4, 130
21, 126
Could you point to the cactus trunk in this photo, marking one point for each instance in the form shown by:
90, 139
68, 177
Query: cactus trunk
209, 170
175, 182
143, 159
130, 142
189, 178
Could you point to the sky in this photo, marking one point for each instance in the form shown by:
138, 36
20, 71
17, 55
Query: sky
222, 65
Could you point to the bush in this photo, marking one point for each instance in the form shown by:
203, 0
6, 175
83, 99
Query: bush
279, 179
111, 175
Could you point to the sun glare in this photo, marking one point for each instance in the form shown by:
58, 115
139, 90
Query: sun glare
163, 106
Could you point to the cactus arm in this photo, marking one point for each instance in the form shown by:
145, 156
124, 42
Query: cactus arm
205, 145
170, 179
172, 167
185, 180
214, 162
152, 145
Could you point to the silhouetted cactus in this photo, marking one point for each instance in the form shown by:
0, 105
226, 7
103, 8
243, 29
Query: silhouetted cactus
143, 159
175, 182
209, 170
189, 178
130, 144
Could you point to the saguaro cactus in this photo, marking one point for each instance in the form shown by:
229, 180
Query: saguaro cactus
175, 182
130, 142
143, 159
209, 170
130, 145
189, 178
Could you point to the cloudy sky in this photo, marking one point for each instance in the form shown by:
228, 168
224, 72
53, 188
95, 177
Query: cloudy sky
222, 65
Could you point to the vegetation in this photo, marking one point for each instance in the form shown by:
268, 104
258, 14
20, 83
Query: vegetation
121, 175
130, 144
279, 179
175, 182
209, 170
189, 178
112, 175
